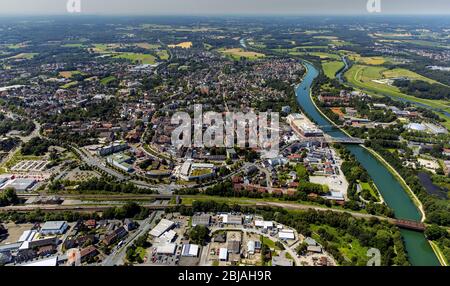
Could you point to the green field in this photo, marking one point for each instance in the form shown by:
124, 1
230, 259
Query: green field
331, 68
362, 76
367, 186
107, 80
73, 46
348, 246
137, 58
163, 55
238, 53
70, 84
25, 56
324, 56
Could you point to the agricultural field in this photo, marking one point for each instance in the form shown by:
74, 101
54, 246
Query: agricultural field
163, 55
73, 46
137, 58
70, 84
325, 56
24, 56
363, 77
238, 53
330, 68
148, 46
107, 80
183, 45
69, 74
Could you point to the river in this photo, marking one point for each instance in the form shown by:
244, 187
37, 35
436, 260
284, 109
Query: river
419, 250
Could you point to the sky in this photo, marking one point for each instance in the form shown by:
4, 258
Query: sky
223, 7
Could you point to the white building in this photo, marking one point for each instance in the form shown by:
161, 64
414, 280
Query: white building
167, 237
166, 249
223, 254
190, 250
251, 247
264, 224
286, 234
27, 235
54, 227
163, 226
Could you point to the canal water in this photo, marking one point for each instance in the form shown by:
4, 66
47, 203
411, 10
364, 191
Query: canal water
419, 250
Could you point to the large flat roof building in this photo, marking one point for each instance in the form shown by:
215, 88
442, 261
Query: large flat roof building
204, 220
190, 250
20, 185
54, 227
163, 226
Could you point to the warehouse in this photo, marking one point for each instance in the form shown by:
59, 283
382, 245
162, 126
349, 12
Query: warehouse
204, 220
167, 237
190, 250
231, 219
223, 254
163, 226
54, 227
27, 235
166, 249
21, 185
286, 234
264, 224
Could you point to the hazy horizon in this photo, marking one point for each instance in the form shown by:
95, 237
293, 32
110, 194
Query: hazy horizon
228, 7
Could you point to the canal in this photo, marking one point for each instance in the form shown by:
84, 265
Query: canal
419, 250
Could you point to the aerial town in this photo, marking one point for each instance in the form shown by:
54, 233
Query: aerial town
89, 173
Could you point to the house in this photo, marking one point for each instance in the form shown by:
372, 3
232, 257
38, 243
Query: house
129, 224
91, 223
46, 250
88, 252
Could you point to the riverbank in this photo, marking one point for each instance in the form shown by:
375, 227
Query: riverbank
438, 253
419, 249
394, 172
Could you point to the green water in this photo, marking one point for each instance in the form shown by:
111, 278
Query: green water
419, 250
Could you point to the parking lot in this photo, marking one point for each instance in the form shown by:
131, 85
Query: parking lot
30, 166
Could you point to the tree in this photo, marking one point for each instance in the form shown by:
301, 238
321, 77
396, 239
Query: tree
435, 232
199, 234
9, 197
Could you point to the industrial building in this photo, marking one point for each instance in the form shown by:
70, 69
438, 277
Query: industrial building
223, 254
54, 227
231, 219
303, 126
286, 234
20, 185
163, 226
166, 249
190, 250
204, 220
